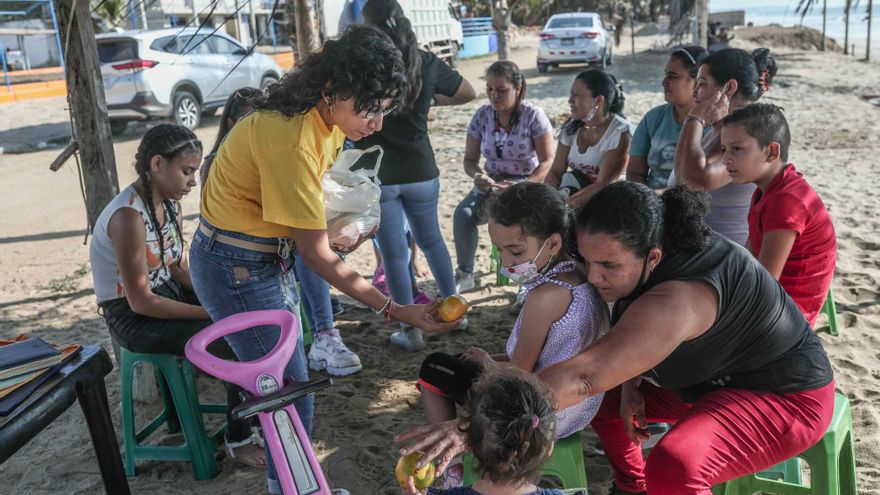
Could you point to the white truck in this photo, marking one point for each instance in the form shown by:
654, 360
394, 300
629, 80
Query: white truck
435, 23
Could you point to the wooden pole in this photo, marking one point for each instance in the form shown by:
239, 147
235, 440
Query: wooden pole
824, 14
868, 41
846, 28
88, 108
704, 23
306, 32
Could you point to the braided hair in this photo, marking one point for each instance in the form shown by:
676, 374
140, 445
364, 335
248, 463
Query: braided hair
600, 83
167, 141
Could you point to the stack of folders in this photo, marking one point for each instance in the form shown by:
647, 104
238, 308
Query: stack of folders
25, 365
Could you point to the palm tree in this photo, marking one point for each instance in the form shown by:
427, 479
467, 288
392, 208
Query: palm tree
805, 6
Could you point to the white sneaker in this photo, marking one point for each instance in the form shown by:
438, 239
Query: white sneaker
410, 340
463, 281
329, 353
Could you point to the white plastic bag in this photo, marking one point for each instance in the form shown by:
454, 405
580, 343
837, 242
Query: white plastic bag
351, 198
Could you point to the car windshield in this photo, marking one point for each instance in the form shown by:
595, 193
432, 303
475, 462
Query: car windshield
570, 22
117, 50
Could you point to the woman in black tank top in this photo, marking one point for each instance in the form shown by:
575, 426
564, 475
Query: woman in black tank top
702, 337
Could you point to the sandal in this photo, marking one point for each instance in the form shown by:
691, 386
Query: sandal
249, 451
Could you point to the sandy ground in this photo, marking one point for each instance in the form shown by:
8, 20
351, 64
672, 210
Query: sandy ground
48, 291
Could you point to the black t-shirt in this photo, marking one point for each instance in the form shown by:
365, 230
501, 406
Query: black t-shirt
409, 156
760, 339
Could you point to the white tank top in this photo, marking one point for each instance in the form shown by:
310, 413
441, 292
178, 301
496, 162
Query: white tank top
105, 269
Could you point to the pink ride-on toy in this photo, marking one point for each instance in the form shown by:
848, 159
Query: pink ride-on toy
299, 472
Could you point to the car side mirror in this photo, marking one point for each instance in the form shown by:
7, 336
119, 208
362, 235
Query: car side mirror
240, 51
611, 29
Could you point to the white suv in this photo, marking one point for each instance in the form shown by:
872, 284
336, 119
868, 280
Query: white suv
574, 38
176, 74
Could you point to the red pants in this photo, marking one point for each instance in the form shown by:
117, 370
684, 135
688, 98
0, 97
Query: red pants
728, 433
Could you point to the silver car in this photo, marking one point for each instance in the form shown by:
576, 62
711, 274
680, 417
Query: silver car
176, 74
574, 38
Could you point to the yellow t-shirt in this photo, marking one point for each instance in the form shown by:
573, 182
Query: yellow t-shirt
267, 174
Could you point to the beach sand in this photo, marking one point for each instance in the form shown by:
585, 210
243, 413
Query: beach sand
47, 290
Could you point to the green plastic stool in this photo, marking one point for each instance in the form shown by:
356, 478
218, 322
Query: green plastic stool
832, 464
830, 310
566, 463
500, 280
181, 411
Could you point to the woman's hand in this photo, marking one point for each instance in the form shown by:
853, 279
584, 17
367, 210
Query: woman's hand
500, 186
439, 440
410, 488
713, 109
350, 249
423, 316
483, 182
632, 411
478, 356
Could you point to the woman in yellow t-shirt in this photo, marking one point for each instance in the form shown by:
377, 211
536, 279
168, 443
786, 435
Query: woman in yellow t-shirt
264, 198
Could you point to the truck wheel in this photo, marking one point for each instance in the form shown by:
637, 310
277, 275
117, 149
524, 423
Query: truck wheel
453, 59
267, 80
542, 68
187, 110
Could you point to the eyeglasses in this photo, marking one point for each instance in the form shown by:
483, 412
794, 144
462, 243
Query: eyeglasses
388, 111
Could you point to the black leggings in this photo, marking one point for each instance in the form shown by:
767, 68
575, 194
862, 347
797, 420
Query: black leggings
148, 335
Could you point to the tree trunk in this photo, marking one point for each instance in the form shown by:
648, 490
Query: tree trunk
868, 41
704, 22
501, 22
307, 40
846, 28
85, 90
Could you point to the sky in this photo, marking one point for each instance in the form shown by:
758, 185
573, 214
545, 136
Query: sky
721, 5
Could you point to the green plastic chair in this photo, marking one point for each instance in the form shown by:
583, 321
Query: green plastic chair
565, 464
832, 464
830, 310
181, 411
495, 266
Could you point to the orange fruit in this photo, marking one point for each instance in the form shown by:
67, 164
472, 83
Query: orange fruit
452, 308
406, 467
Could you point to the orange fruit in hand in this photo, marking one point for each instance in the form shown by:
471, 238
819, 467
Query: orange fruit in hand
406, 467
452, 308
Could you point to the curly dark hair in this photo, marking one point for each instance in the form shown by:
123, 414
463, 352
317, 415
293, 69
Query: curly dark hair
509, 424
633, 214
167, 141
362, 64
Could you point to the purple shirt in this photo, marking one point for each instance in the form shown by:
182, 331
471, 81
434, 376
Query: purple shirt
518, 156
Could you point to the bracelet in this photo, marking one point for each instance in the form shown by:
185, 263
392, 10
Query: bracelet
387, 312
385, 307
699, 119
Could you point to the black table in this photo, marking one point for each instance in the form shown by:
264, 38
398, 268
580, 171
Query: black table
83, 379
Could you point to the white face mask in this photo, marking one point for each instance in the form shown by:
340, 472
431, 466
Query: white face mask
525, 272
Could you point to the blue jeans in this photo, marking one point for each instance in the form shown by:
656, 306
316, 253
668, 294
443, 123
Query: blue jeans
315, 297
418, 201
468, 215
230, 280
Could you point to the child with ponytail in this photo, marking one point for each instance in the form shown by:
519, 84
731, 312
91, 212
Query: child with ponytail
561, 316
593, 148
510, 427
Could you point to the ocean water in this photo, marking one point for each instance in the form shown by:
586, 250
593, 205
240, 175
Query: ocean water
834, 27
